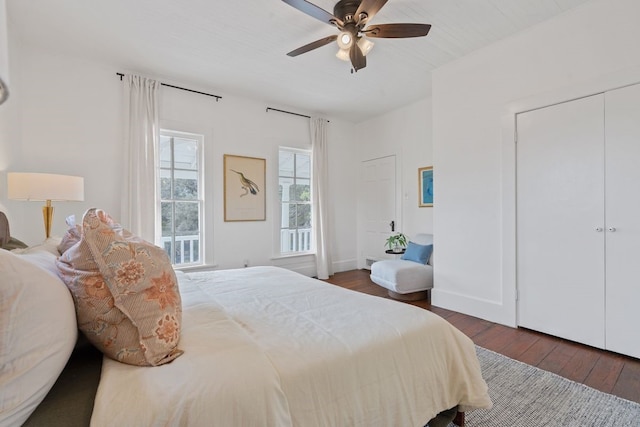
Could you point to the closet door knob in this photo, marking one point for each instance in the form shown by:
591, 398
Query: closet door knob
612, 229
598, 229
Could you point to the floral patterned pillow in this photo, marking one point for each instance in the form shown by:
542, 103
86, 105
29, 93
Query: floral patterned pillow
125, 291
72, 236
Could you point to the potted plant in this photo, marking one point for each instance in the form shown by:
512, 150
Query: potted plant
396, 242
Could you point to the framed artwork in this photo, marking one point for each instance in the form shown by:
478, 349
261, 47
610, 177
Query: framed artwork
425, 187
244, 188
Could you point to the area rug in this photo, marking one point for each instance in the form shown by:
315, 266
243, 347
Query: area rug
526, 396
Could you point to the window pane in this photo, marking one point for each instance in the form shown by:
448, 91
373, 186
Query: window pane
187, 238
186, 153
303, 239
177, 259
165, 184
286, 163
285, 185
196, 250
187, 222
166, 244
185, 185
289, 215
167, 219
287, 241
301, 192
303, 166
303, 216
189, 248
165, 151
167, 229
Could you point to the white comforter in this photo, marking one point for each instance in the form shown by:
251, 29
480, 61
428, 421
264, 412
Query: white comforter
264, 346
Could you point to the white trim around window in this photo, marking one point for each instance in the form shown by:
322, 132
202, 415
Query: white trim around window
180, 197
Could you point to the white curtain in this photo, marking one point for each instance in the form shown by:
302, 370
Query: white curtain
141, 127
320, 191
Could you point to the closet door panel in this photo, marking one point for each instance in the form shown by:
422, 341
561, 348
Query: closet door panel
560, 207
622, 108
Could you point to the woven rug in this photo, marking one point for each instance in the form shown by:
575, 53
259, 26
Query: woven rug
526, 396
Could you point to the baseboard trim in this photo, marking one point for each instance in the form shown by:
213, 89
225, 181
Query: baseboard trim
345, 265
493, 311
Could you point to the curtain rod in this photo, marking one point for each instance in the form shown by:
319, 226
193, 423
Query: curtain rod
217, 97
289, 112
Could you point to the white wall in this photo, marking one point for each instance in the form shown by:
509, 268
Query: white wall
63, 117
70, 121
243, 127
9, 115
474, 100
405, 133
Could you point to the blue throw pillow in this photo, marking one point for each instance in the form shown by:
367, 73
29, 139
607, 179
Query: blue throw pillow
417, 253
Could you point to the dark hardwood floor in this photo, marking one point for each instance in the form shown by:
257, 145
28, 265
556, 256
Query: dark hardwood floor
605, 371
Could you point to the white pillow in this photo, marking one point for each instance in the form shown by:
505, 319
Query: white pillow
49, 245
43, 259
37, 332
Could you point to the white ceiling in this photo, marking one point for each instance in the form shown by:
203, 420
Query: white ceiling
239, 47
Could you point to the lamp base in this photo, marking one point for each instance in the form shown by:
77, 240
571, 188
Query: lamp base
47, 216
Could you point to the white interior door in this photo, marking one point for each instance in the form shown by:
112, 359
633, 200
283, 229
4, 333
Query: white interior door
623, 217
378, 184
560, 220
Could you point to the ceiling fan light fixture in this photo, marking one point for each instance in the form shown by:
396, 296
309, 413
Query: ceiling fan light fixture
365, 45
345, 40
343, 54
351, 18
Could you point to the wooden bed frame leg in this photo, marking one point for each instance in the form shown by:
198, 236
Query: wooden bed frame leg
459, 419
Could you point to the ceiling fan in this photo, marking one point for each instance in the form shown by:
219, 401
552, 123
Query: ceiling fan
351, 17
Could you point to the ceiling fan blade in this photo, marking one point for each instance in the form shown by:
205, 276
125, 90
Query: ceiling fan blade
358, 60
314, 11
396, 31
313, 45
370, 7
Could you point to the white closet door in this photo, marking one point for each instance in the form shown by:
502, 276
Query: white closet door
560, 217
622, 108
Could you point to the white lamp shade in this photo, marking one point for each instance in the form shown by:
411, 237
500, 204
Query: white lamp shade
45, 186
343, 54
345, 40
365, 45
4, 53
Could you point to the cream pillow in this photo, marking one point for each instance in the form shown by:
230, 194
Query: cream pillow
125, 291
37, 332
50, 245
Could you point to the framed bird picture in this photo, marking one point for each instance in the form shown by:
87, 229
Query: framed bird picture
244, 188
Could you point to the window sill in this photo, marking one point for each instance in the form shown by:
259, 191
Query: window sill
294, 255
199, 267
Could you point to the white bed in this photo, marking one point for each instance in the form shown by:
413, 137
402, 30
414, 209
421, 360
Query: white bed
264, 346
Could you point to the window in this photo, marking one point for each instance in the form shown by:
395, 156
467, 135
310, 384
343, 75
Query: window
294, 188
180, 206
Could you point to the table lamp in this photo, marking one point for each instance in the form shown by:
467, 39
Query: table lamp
45, 187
